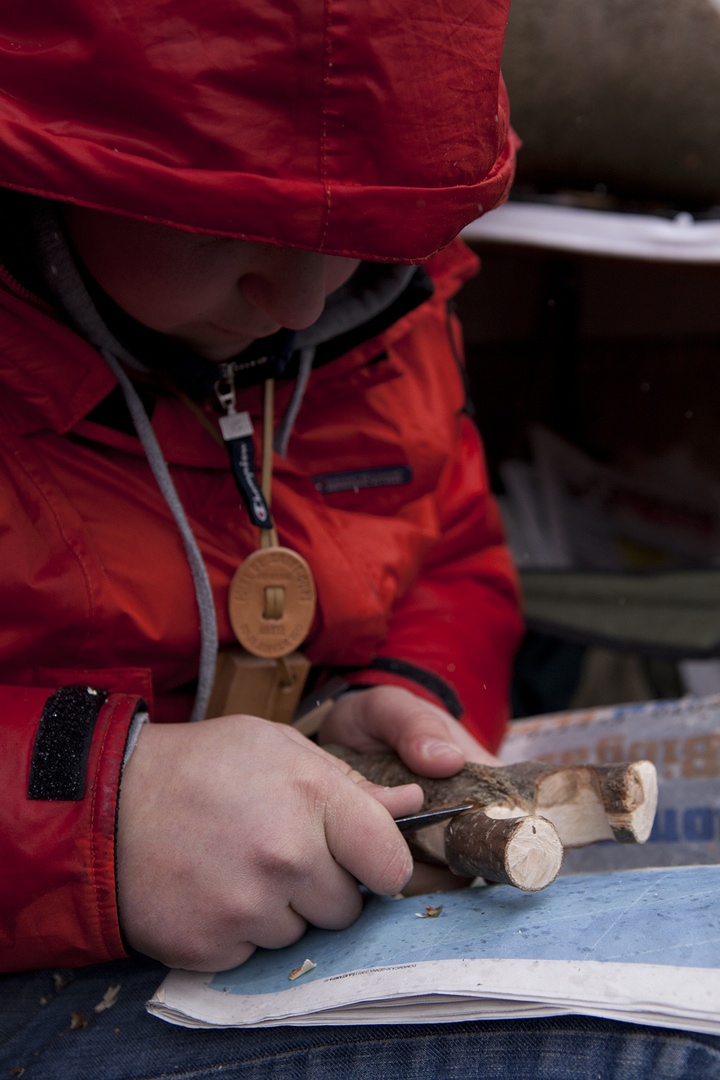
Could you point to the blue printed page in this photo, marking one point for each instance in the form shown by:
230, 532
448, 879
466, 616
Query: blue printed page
667, 917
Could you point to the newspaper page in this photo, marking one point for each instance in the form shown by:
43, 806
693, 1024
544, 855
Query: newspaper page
681, 737
641, 945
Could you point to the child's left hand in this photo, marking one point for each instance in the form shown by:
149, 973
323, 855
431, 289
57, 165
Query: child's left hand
428, 739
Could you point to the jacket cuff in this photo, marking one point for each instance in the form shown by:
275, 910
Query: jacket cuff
388, 671
62, 907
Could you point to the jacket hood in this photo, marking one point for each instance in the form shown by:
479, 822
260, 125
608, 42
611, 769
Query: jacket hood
374, 129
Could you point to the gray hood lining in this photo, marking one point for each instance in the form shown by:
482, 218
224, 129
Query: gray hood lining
372, 288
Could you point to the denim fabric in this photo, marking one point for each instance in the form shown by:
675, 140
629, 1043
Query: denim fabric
125, 1043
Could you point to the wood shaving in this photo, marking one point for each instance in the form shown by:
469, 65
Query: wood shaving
78, 1020
306, 966
17, 1071
60, 981
429, 912
109, 998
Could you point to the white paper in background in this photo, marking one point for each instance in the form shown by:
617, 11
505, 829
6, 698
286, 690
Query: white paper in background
535, 540
570, 228
566, 510
681, 737
700, 677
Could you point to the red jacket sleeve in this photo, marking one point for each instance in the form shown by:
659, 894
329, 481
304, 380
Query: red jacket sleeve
453, 635
59, 770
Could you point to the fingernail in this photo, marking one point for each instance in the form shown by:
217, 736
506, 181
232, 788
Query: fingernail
440, 749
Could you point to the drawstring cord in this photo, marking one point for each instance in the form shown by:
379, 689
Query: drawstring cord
201, 581
284, 429
66, 283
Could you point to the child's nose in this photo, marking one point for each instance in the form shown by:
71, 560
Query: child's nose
289, 286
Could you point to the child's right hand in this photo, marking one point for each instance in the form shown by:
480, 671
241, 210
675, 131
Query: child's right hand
235, 833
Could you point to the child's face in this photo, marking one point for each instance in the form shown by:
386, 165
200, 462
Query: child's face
213, 294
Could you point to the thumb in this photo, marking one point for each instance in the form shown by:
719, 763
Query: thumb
425, 737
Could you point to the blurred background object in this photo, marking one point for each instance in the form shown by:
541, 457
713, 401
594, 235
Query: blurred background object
617, 96
593, 348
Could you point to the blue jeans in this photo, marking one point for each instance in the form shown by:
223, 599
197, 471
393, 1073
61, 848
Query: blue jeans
125, 1043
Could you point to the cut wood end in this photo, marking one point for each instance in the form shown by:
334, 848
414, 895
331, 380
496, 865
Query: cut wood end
534, 854
430, 842
591, 803
571, 800
636, 824
500, 811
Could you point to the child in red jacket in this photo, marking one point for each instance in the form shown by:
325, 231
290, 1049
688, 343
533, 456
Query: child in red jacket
231, 227
232, 410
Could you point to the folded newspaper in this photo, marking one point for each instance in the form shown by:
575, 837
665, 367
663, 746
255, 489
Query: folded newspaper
639, 945
635, 936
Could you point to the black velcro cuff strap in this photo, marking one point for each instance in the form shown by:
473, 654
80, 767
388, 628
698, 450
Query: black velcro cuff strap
427, 679
59, 762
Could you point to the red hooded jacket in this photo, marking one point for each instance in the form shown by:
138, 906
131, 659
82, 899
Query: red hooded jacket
307, 125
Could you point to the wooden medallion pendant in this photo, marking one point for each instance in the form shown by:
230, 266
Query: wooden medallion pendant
271, 603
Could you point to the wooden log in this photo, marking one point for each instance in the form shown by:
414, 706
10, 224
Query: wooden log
587, 803
525, 814
522, 851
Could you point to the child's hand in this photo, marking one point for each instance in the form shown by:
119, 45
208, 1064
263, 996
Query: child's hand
428, 739
236, 832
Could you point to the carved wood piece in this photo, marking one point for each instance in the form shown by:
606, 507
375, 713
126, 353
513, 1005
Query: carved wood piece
526, 814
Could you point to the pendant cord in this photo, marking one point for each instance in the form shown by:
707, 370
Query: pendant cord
268, 537
274, 598
267, 438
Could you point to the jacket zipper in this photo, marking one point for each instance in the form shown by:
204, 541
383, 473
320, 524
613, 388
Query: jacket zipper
227, 397
11, 284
